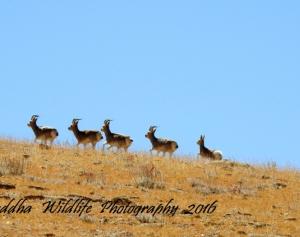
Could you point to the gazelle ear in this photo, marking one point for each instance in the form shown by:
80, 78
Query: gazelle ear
107, 121
34, 117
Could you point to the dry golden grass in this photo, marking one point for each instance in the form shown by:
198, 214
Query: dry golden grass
252, 201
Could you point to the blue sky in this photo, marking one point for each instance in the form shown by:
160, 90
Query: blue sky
226, 69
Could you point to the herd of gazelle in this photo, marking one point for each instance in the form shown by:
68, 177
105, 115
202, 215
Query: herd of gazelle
47, 135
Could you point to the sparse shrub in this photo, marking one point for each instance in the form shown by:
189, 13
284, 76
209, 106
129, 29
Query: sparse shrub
91, 178
240, 189
148, 176
116, 233
146, 219
271, 165
12, 166
206, 189
210, 173
88, 219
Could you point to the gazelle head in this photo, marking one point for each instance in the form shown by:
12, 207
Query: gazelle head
151, 132
33, 120
201, 140
74, 124
105, 127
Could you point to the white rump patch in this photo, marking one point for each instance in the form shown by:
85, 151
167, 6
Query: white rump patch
218, 152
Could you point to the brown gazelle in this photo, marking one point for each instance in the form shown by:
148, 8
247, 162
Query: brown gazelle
42, 133
85, 137
115, 140
159, 144
207, 153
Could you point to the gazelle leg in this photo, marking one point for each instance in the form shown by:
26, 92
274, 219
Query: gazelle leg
103, 147
109, 147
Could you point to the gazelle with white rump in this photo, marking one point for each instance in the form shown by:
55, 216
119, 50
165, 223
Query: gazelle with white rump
42, 133
115, 140
160, 144
85, 137
207, 153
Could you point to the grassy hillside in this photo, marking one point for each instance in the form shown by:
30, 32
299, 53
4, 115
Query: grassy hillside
249, 200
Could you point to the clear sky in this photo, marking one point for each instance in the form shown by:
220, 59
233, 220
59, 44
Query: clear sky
226, 69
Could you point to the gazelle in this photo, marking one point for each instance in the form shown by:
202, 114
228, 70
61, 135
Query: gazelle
85, 137
42, 133
159, 144
207, 153
115, 140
